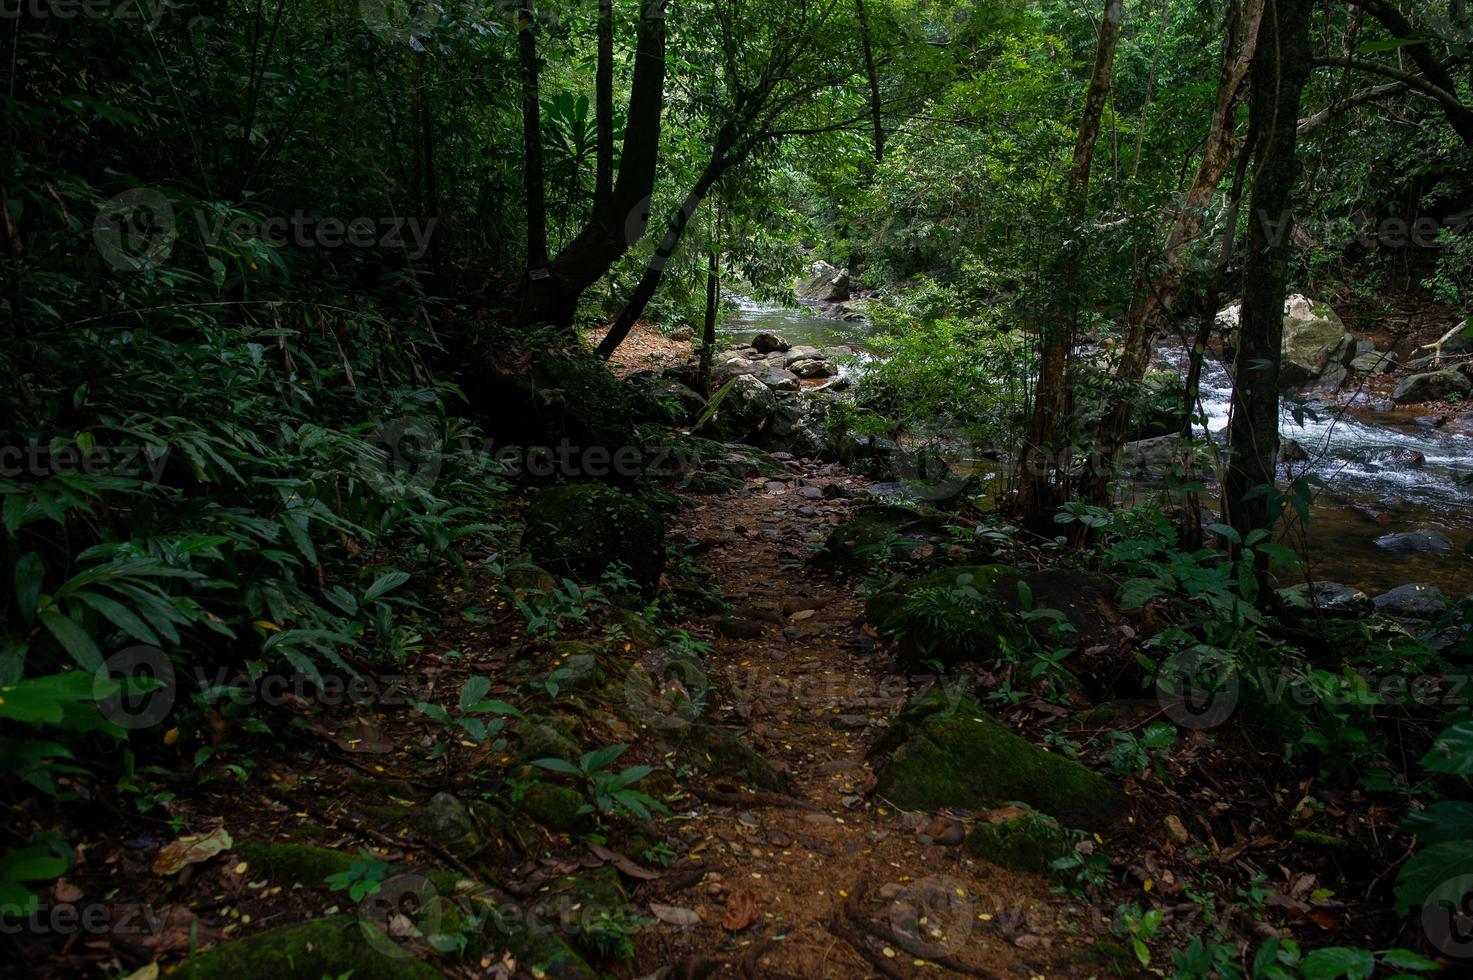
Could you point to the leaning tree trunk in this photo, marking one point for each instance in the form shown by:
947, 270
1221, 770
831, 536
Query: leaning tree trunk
872, 73
1280, 68
1043, 461
1156, 288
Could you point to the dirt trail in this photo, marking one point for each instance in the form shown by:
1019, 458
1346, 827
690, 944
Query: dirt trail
851, 888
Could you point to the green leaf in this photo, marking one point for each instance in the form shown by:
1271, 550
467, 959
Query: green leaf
1405, 959
601, 758
1226, 532
1430, 868
73, 639
1337, 962
29, 573
473, 691
1452, 752
1446, 820
556, 765
384, 584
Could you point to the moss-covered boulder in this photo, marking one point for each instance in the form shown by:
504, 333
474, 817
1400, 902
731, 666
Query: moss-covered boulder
1030, 842
737, 410
878, 532
555, 807
719, 752
948, 615
593, 910
311, 950
582, 529
945, 751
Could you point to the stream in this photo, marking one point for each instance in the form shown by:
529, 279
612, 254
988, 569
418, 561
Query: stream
1360, 501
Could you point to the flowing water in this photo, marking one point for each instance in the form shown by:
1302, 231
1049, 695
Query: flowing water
1361, 500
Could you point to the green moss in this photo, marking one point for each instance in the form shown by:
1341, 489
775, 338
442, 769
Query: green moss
542, 740
961, 634
582, 529
872, 532
595, 913
307, 950
294, 864
556, 808
715, 750
951, 753
1029, 843
704, 482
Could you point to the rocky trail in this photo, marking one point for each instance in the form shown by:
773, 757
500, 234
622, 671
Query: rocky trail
835, 881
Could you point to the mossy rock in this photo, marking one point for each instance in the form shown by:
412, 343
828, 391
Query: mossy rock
310, 950
556, 808
594, 912
945, 751
719, 752
965, 635
737, 410
879, 531
1030, 843
582, 529
294, 864
542, 740
704, 482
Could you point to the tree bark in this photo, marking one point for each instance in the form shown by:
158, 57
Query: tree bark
1043, 463
873, 75
612, 230
532, 178
603, 108
1156, 288
713, 307
1280, 69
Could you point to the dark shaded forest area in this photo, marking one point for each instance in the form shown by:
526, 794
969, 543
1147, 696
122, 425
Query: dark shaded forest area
733, 488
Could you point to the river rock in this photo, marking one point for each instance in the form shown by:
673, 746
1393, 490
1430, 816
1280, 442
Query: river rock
1432, 386
814, 369
1329, 598
1315, 341
1398, 459
1424, 541
825, 283
767, 343
1412, 601
1290, 451
581, 529
775, 377
1152, 457
737, 410
1374, 362
945, 751
802, 352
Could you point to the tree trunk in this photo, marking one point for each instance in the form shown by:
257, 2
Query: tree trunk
1157, 291
874, 79
1427, 62
1044, 464
532, 179
1280, 68
614, 229
713, 305
722, 159
603, 108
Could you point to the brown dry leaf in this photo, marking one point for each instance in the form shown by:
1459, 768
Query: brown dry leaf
192, 849
171, 929
675, 915
1005, 813
741, 911
65, 892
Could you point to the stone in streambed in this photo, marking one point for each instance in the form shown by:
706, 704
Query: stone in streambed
1398, 459
768, 343
1432, 386
1412, 601
1329, 598
1424, 541
945, 751
737, 410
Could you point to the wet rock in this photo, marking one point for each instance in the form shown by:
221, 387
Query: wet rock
1432, 386
555, 807
737, 410
945, 751
801, 352
1315, 340
1412, 601
1329, 598
1152, 457
1398, 459
582, 529
1290, 451
767, 343
446, 821
1425, 541
814, 369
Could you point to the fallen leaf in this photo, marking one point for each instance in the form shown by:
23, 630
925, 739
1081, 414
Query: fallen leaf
741, 911
623, 863
801, 615
192, 849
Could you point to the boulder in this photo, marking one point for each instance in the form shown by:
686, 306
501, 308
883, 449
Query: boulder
802, 352
582, 529
824, 283
737, 410
1329, 598
1374, 362
718, 752
775, 377
1315, 342
682, 334
1424, 541
1412, 601
1151, 458
768, 343
945, 751
814, 368
1432, 386
1030, 842
1290, 451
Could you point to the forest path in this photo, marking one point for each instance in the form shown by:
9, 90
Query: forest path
852, 887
